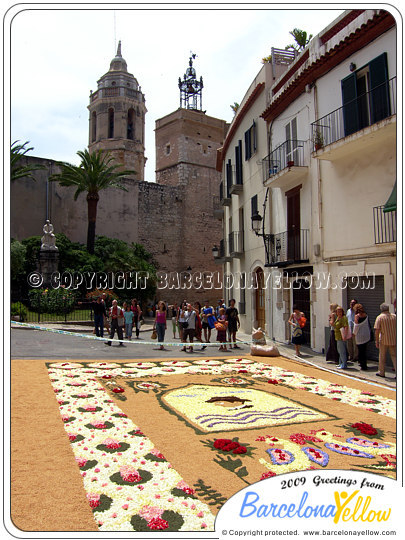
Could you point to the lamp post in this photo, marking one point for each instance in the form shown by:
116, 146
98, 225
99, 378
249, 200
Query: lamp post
258, 223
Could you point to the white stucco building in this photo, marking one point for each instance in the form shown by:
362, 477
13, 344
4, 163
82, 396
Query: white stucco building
324, 164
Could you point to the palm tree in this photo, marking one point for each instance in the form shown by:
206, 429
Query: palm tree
17, 151
234, 107
95, 173
301, 40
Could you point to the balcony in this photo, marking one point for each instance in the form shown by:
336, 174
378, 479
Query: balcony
235, 240
366, 121
224, 197
236, 182
223, 253
285, 164
385, 225
217, 208
290, 247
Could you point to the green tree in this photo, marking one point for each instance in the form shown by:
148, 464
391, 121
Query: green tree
95, 173
301, 39
18, 170
17, 258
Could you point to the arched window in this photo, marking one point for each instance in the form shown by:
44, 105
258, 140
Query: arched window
93, 126
131, 124
110, 123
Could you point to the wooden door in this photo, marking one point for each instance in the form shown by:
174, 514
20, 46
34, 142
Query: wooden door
260, 299
293, 224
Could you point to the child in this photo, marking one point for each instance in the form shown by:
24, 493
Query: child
221, 335
129, 319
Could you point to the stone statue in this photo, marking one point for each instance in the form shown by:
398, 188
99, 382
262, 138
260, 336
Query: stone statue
48, 241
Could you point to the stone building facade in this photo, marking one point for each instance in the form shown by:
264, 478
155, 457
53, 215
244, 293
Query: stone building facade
173, 217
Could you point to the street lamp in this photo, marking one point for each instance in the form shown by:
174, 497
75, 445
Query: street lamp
256, 223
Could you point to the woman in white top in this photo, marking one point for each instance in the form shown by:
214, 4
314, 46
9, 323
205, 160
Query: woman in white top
361, 330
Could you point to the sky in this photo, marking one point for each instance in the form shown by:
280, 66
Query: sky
59, 53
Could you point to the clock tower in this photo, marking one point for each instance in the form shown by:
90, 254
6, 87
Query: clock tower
117, 117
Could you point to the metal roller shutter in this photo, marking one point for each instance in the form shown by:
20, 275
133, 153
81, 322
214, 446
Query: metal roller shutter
368, 291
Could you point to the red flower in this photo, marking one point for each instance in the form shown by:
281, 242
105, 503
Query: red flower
220, 443
242, 370
118, 390
106, 377
240, 450
269, 474
272, 381
158, 524
230, 446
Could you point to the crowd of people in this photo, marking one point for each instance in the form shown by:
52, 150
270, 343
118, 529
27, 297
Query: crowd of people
352, 331
193, 323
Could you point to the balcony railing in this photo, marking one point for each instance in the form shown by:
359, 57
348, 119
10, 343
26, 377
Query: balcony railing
289, 154
288, 247
223, 252
224, 194
235, 240
385, 225
365, 110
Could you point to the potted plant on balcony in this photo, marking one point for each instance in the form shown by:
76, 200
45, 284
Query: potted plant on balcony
318, 140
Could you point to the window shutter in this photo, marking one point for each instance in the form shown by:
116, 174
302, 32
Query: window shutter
254, 205
349, 95
240, 176
247, 145
379, 88
254, 136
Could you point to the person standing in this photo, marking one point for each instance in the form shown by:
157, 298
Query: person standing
385, 327
173, 313
332, 354
351, 342
341, 322
297, 321
107, 305
208, 320
188, 327
129, 321
99, 311
221, 329
232, 316
361, 332
117, 322
136, 310
181, 319
198, 325
160, 324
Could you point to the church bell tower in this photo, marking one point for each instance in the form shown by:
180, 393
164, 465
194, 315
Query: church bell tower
117, 117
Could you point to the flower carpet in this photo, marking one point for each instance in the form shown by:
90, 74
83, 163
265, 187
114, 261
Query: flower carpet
160, 446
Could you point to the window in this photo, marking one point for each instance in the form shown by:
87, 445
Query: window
110, 123
93, 126
365, 95
167, 149
228, 178
238, 161
254, 205
131, 124
250, 141
291, 141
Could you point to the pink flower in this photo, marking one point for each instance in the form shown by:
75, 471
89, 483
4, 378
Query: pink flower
130, 474
72, 436
112, 443
81, 461
94, 499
